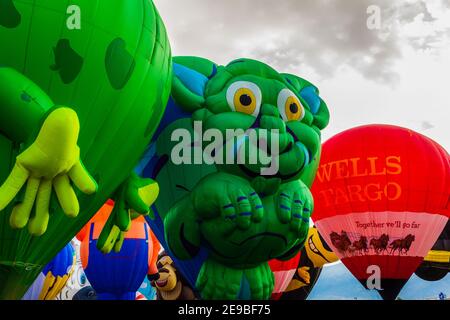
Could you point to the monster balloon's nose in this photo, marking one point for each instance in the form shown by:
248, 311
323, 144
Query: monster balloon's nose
270, 119
276, 127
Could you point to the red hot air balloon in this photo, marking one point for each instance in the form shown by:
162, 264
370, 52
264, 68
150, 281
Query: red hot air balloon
283, 272
381, 201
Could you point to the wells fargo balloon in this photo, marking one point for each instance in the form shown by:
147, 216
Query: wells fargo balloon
118, 275
54, 276
381, 201
436, 264
82, 88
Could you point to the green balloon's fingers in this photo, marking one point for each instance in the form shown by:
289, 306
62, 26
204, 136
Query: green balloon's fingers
108, 235
310, 206
140, 193
111, 240
121, 215
227, 209
38, 224
66, 196
284, 206
21, 212
107, 239
12, 185
257, 207
307, 211
149, 192
306, 214
244, 213
136, 203
297, 213
119, 242
81, 178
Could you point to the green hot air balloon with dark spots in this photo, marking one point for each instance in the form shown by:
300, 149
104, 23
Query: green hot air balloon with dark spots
83, 86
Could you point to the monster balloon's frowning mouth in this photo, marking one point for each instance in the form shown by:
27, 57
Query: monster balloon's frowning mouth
259, 235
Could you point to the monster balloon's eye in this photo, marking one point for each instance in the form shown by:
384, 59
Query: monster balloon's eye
290, 107
245, 97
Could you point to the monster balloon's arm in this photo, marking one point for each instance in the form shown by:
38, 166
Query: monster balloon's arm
52, 159
182, 230
132, 198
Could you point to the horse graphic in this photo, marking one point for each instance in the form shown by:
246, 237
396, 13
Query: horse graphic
380, 245
402, 245
360, 245
340, 241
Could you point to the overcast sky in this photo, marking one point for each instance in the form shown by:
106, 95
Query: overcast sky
398, 74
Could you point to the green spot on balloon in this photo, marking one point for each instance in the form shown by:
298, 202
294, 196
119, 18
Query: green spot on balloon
119, 64
9, 15
26, 97
67, 61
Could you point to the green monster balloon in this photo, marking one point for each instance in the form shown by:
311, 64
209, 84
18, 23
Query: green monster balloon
244, 215
83, 85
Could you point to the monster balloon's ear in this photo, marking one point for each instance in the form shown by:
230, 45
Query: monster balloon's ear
191, 74
310, 94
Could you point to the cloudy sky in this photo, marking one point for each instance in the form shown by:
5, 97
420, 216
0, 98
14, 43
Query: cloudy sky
396, 74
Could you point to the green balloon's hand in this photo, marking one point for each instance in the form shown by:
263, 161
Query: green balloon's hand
218, 282
53, 160
294, 205
230, 196
132, 199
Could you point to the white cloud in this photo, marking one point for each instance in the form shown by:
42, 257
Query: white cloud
397, 75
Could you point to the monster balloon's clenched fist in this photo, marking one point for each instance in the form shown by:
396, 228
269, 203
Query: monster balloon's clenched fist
242, 216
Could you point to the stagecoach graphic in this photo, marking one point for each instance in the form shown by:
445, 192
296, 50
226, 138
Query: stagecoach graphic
361, 245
